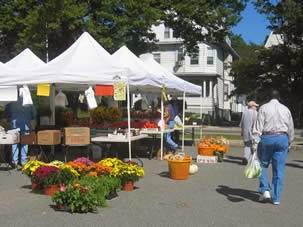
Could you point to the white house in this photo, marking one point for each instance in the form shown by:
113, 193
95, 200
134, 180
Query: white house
273, 39
209, 68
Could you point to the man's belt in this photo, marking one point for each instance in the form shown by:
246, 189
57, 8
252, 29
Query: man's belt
274, 133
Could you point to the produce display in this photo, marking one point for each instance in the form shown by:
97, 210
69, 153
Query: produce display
213, 146
150, 124
81, 185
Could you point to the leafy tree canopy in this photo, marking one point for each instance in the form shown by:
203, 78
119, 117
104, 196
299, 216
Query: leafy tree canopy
29, 23
281, 66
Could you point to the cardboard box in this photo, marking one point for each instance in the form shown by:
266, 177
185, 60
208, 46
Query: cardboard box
49, 137
9, 138
29, 139
207, 159
76, 136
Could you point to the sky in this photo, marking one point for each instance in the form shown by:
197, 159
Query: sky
253, 25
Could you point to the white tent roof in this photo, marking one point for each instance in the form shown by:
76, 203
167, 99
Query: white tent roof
170, 77
5, 70
84, 62
139, 75
26, 60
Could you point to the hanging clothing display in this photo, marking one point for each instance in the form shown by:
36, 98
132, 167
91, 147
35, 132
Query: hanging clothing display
81, 98
104, 90
135, 98
145, 104
61, 99
43, 89
119, 91
25, 93
90, 97
8, 93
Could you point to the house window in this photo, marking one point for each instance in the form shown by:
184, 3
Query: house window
174, 34
210, 55
225, 90
166, 33
194, 60
157, 57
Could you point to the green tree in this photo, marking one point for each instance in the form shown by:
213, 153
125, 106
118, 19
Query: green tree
30, 23
281, 66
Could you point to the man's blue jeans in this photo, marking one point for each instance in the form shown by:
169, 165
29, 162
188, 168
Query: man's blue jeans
24, 148
274, 149
171, 144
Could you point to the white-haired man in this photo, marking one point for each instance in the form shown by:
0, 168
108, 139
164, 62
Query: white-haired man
248, 120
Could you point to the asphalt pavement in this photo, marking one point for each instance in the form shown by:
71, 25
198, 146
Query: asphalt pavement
218, 195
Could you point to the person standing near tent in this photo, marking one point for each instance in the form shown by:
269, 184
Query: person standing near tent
248, 120
20, 117
274, 130
169, 116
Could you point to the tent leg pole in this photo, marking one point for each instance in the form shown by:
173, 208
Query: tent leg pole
183, 122
128, 122
201, 116
162, 125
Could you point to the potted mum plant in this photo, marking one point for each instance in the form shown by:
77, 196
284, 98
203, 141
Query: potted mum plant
129, 173
81, 196
48, 177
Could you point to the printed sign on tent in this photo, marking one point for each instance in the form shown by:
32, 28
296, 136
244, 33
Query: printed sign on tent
104, 90
43, 89
119, 91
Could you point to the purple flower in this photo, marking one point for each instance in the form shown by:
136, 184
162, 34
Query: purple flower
84, 160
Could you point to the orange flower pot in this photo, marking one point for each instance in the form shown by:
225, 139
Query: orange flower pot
207, 151
128, 186
179, 169
51, 189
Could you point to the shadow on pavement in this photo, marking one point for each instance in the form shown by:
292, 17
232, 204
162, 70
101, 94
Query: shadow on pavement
2, 168
294, 165
234, 157
164, 174
237, 194
233, 161
298, 160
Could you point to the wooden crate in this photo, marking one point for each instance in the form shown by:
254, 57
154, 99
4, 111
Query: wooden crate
49, 137
76, 135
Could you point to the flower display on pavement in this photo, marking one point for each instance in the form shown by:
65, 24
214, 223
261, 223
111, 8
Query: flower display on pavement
31, 167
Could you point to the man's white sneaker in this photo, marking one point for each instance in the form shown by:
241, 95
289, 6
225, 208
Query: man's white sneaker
265, 196
276, 203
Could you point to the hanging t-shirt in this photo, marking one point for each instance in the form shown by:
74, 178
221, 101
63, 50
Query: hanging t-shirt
61, 99
25, 93
90, 97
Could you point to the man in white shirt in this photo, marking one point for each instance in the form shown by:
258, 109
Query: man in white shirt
274, 129
248, 120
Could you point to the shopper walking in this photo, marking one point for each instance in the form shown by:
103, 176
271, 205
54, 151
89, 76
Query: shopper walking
274, 130
249, 118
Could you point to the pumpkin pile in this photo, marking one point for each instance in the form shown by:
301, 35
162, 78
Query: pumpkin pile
209, 146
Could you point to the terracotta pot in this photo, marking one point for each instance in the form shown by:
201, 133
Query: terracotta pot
35, 186
51, 189
128, 186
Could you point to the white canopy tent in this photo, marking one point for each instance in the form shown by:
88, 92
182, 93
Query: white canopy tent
187, 88
25, 61
85, 62
156, 68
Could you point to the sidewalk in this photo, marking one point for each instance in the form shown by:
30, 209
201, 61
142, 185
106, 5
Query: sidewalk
207, 128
